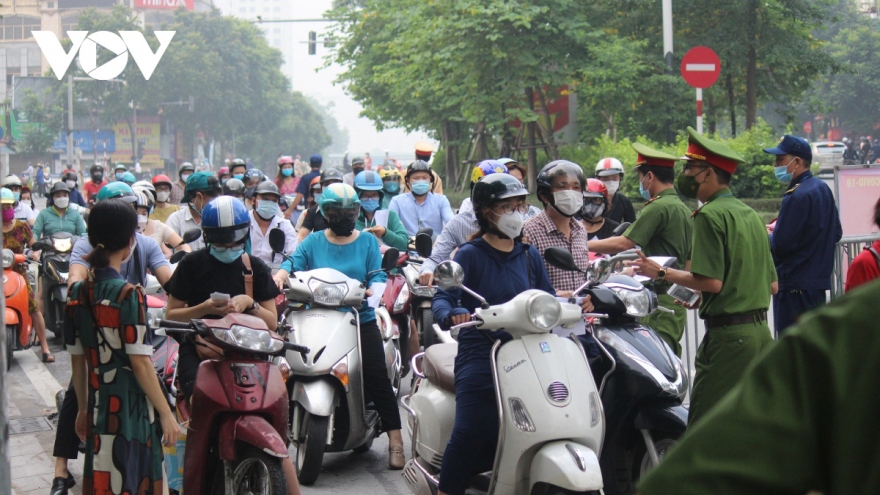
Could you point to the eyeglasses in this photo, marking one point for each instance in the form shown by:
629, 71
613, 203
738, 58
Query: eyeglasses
510, 208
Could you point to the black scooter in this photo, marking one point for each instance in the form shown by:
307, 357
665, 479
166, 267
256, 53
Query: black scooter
54, 268
643, 382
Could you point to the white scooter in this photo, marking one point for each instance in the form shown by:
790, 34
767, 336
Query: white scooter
551, 418
328, 411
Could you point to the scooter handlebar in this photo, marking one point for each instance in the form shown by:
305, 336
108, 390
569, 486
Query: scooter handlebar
175, 325
290, 346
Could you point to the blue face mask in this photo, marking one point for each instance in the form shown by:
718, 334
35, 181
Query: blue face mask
392, 186
287, 172
318, 198
227, 255
266, 209
371, 204
421, 187
238, 176
645, 194
17, 195
782, 172
119, 176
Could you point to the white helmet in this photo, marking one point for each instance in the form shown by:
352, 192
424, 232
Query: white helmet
845, 140
11, 180
609, 166
145, 185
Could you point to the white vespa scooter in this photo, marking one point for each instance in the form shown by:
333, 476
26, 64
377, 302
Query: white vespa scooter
551, 418
328, 410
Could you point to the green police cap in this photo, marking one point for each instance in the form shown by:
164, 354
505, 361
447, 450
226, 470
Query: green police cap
652, 157
702, 148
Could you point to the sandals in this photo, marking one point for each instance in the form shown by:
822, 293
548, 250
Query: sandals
48, 357
396, 460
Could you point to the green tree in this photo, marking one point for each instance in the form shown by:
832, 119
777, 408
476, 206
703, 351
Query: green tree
45, 118
854, 95
338, 135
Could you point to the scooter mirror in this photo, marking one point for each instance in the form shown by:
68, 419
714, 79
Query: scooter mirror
424, 244
277, 240
560, 258
176, 257
600, 269
389, 259
449, 275
191, 235
427, 231
620, 229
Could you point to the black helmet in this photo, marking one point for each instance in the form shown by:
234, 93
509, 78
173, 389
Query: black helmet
267, 187
494, 187
556, 168
233, 187
69, 176
58, 187
254, 174
331, 174
185, 167
96, 168
418, 166
237, 162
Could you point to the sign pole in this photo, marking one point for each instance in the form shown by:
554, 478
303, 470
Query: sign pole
700, 110
70, 125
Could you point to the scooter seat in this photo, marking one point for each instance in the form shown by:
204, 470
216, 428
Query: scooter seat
439, 365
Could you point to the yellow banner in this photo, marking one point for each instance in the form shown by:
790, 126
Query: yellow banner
148, 139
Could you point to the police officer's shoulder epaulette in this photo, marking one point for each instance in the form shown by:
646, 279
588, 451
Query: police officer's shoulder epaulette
793, 188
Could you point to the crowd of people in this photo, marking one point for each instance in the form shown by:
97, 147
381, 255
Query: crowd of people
724, 251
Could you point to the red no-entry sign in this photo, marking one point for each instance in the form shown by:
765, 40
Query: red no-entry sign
700, 67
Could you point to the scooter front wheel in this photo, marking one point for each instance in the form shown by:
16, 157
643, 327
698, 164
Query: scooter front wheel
642, 463
258, 473
310, 448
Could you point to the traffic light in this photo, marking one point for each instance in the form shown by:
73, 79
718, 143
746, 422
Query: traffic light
313, 42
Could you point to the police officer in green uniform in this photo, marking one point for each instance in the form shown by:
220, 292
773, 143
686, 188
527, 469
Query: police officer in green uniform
802, 419
731, 265
663, 228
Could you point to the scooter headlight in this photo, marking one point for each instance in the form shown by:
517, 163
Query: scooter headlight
676, 388
402, 299
638, 301
328, 294
544, 311
62, 245
249, 338
8, 258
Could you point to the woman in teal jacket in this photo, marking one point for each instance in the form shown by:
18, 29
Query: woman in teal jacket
384, 224
57, 216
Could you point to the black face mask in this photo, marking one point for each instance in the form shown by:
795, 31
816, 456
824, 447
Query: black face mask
342, 227
356, 171
97, 178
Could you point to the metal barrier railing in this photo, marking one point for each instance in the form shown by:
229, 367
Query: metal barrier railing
847, 249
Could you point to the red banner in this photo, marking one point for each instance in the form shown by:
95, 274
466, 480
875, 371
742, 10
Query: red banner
164, 4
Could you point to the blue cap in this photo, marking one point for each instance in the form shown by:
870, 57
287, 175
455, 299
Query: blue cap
316, 159
792, 145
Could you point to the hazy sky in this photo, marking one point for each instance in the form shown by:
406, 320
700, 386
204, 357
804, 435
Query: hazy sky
302, 70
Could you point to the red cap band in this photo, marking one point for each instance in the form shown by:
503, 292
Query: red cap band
697, 152
654, 162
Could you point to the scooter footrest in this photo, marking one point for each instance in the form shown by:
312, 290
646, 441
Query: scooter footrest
371, 418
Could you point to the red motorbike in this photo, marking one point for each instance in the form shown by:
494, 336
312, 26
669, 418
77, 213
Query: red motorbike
237, 433
20, 332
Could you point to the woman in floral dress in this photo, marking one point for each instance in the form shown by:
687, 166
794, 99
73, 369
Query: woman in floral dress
17, 236
124, 417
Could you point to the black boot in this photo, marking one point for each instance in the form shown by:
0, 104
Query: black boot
61, 485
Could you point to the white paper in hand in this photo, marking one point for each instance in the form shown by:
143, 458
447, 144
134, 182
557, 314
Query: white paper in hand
378, 289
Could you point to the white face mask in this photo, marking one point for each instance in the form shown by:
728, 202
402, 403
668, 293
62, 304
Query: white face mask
142, 222
163, 196
568, 202
70, 183
130, 253
61, 203
184, 177
613, 186
511, 224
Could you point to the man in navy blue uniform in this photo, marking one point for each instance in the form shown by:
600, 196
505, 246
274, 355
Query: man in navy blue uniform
805, 236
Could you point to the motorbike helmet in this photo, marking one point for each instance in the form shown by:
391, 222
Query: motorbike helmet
486, 167
69, 176
418, 166
96, 172
331, 174
315, 185
555, 169
596, 189
161, 179
146, 186
119, 168
339, 200
185, 167
389, 173
129, 178
368, 181
222, 171
56, 188
143, 200
117, 190
225, 220
11, 180
285, 160
494, 187
609, 166
267, 187
6, 197
237, 163
511, 164
233, 187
